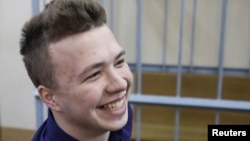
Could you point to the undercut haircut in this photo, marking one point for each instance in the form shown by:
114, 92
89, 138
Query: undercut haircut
59, 18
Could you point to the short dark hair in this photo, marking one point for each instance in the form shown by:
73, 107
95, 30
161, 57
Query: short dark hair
60, 18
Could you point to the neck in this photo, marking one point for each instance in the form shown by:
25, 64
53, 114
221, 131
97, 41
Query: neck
82, 136
101, 137
81, 133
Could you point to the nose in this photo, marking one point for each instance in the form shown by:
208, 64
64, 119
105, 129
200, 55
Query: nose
116, 82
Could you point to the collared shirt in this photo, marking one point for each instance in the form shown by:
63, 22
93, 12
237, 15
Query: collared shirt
50, 131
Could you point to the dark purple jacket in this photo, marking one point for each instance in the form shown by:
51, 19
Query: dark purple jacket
50, 131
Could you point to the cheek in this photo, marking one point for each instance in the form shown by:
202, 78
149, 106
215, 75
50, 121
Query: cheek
131, 77
128, 75
89, 96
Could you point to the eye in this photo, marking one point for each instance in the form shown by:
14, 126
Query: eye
93, 76
120, 63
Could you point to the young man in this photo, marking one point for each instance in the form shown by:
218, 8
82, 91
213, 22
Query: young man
80, 72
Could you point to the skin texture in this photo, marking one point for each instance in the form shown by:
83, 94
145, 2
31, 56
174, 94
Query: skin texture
91, 71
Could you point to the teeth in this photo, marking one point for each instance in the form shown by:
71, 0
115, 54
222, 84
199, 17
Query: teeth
115, 105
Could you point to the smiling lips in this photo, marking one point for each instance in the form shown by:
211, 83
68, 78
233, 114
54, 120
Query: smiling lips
115, 105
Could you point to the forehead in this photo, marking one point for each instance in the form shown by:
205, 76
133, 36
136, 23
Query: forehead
83, 49
92, 37
100, 38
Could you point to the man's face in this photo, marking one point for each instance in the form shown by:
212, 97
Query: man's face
94, 80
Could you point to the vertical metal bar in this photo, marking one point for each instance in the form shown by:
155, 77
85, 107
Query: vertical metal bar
221, 55
39, 104
102, 2
35, 7
164, 49
217, 117
139, 65
177, 124
39, 109
179, 75
139, 46
111, 13
193, 37
221, 48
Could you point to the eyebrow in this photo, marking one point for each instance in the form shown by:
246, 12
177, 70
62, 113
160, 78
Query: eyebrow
97, 65
120, 54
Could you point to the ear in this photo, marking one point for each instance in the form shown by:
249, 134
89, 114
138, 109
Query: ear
48, 98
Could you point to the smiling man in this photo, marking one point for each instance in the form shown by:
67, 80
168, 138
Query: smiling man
80, 72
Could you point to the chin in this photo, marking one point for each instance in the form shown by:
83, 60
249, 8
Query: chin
118, 124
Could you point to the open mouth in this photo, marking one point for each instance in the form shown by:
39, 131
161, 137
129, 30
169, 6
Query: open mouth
114, 105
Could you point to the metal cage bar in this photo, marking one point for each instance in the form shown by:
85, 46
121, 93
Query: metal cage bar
138, 65
191, 68
164, 47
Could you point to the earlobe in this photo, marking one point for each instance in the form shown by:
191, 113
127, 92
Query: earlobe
47, 96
